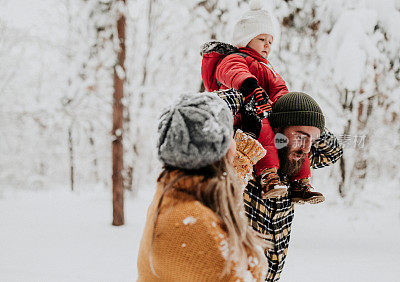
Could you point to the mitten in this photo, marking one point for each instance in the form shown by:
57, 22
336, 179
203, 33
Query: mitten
261, 102
247, 88
250, 123
252, 91
248, 152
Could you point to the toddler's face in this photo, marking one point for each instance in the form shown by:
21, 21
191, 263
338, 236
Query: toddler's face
262, 44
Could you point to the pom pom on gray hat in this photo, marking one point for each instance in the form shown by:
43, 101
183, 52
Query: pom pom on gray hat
194, 132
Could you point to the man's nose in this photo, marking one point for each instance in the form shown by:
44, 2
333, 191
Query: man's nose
306, 147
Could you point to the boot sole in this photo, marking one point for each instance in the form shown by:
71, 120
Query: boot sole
277, 192
313, 200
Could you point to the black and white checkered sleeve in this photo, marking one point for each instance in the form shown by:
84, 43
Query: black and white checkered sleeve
325, 151
233, 98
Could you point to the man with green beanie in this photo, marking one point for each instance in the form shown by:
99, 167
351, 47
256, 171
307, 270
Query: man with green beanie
297, 121
299, 128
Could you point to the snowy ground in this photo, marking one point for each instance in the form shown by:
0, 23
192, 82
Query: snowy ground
334, 243
63, 236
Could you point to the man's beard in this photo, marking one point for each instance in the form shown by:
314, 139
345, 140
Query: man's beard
288, 167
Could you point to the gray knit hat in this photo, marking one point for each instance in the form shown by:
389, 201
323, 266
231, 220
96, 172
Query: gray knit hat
195, 132
296, 108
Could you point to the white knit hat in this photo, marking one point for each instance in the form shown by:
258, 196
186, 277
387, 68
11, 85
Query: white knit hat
253, 23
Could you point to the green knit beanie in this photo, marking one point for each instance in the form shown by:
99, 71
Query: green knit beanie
296, 108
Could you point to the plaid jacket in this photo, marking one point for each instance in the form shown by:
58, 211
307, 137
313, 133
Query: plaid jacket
325, 151
273, 217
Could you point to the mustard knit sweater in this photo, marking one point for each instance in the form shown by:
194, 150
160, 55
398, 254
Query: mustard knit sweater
190, 243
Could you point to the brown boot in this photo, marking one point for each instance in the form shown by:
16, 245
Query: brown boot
271, 184
301, 192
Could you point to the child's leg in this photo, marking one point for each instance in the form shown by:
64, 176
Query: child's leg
267, 167
301, 189
305, 170
267, 140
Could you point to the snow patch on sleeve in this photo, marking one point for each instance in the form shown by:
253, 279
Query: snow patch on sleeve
189, 220
253, 261
246, 275
223, 246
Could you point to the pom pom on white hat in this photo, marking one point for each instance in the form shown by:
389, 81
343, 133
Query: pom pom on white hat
252, 23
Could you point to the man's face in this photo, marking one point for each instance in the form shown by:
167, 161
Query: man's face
300, 139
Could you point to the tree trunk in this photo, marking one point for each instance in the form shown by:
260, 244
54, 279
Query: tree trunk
343, 165
118, 110
71, 157
343, 177
95, 161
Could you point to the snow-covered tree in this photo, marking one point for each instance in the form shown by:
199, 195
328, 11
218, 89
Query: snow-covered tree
57, 82
343, 54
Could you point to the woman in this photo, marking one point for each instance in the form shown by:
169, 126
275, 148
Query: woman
196, 229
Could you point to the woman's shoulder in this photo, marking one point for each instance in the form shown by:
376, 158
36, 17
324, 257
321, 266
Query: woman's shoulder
183, 210
181, 213
191, 231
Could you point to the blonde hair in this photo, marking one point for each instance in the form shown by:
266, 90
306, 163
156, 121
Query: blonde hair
223, 194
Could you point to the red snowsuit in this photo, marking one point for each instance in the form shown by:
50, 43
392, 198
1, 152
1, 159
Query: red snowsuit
223, 72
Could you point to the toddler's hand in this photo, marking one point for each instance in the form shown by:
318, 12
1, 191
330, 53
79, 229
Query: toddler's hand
261, 102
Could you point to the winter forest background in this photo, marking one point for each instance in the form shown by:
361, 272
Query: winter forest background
56, 92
